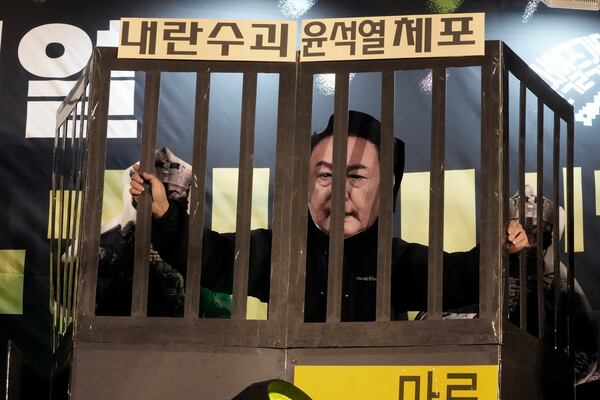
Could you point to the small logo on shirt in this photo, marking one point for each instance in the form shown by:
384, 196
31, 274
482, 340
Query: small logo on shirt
366, 278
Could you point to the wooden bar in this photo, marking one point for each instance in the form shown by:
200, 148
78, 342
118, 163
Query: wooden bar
535, 83
386, 206
219, 331
61, 271
79, 206
94, 180
504, 159
558, 334
53, 274
197, 196
300, 168
338, 190
570, 237
405, 64
436, 201
522, 200
539, 218
282, 198
130, 64
139, 296
244, 199
72, 220
395, 333
124, 64
492, 189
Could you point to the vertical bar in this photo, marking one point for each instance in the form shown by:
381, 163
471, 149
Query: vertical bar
81, 163
539, 215
493, 190
244, 200
300, 168
336, 225
94, 182
197, 196
436, 202
386, 184
72, 216
505, 268
570, 237
522, 254
61, 274
53, 290
139, 297
558, 336
282, 198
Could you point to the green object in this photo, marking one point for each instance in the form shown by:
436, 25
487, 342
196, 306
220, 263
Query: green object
278, 396
273, 389
282, 390
214, 304
444, 6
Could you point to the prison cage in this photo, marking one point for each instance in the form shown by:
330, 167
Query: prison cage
138, 356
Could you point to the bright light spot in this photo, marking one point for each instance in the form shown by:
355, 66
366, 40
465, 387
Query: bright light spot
427, 83
530, 9
295, 8
573, 69
326, 83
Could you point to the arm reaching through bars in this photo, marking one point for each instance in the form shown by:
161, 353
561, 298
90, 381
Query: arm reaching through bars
170, 231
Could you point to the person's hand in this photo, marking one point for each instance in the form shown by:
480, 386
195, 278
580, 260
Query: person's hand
160, 203
516, 237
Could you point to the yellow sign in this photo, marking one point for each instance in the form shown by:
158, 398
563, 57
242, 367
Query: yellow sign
328, 39
404, 36
398, 382
207, 39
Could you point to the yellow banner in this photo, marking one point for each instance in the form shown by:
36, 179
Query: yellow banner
403, 36
327, 39
398, 382
207, 39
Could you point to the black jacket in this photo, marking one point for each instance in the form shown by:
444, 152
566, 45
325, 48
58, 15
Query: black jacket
409, 269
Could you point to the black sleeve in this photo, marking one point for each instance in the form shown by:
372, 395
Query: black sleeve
169, 236
460, 281
461, 278
170, 240
218, 259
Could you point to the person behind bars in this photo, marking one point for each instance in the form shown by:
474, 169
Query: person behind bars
361, 208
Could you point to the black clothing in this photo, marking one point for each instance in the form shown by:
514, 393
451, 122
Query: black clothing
409, 276
169, 239
115, 278
409, 269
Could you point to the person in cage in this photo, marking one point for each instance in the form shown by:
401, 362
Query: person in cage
409, 261
585, 336
117, 242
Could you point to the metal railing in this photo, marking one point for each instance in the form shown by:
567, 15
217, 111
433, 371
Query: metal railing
66, 203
